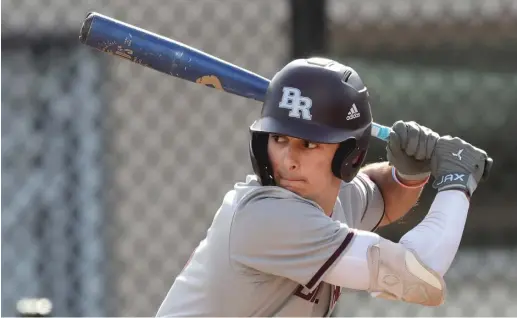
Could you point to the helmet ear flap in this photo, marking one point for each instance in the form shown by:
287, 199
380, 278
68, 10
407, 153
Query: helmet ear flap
260, 159
340, 161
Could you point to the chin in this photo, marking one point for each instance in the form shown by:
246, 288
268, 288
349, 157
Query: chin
298, 187
294, 190
299, 191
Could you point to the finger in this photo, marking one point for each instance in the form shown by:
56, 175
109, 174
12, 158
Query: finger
394, 154
427, 143
413, 138
393, 147
430, 145
421, 151
399, 129
488, 166
394, 140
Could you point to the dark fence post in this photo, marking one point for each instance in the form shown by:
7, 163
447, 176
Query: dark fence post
308, 28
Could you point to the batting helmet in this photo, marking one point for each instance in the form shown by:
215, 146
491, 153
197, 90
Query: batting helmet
318, 100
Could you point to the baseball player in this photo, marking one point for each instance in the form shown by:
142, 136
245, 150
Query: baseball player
285, 241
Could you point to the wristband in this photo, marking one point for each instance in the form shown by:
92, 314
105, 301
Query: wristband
416, 186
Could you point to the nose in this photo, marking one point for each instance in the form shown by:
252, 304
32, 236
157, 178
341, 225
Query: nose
291, 161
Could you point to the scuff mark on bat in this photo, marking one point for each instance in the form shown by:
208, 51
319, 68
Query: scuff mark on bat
211, 81
107, 46
128, 40
175, 59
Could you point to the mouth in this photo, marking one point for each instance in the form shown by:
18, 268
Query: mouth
290, 179
291, 183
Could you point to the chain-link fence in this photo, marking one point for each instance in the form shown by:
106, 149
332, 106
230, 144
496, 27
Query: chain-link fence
112, 172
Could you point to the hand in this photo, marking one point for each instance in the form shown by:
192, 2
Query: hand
409, 149
456, 164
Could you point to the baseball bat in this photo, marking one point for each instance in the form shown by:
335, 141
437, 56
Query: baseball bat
177, 59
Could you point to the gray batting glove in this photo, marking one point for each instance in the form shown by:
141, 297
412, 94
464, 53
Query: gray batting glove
457, 164
409, 149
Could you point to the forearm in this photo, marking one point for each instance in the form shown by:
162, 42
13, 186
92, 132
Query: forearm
434, 241
398, 200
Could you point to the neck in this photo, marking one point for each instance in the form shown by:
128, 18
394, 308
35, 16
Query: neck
328, 200
328, 208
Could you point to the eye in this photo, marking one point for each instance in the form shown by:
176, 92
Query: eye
310, 145
278, 138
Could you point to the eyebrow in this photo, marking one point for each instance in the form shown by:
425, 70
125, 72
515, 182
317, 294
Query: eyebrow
302, 140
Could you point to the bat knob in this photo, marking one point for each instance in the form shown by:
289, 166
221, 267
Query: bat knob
85, 28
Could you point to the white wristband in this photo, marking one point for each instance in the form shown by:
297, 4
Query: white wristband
394, 175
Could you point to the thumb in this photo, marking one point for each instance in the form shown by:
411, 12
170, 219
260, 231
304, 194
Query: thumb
393, 148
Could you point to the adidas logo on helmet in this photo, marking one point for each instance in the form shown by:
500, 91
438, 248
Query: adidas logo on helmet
353, 113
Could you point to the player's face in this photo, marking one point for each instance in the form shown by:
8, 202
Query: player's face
303, 167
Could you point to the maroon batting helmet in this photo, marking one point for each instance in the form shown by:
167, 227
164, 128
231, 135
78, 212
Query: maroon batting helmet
318, 100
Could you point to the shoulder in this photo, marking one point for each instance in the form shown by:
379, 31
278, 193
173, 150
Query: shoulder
273, 217
361, 188
252, 198
355, 197
354, 192
252, 192
360, 181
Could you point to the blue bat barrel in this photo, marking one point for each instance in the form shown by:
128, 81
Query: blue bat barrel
177, 59
170, 57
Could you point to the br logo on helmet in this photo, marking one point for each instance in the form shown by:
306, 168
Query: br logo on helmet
299, 105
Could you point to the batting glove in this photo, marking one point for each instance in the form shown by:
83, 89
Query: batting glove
409, 149
456, 164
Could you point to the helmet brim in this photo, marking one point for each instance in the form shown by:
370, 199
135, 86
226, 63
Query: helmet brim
302, 129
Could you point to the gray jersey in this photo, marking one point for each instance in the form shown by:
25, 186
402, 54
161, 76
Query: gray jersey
267, 250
